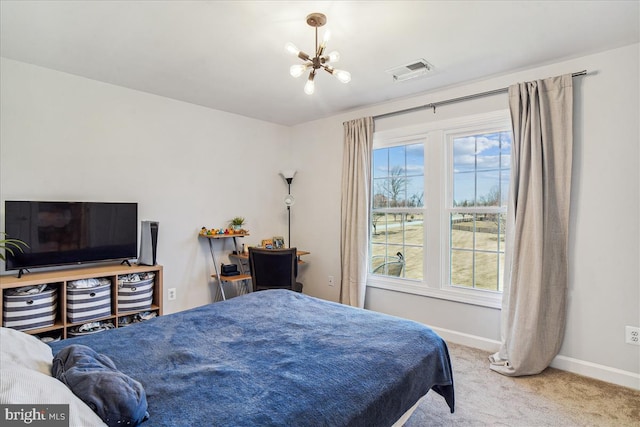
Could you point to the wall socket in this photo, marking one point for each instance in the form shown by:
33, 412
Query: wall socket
171, 294
632, 335
332, 281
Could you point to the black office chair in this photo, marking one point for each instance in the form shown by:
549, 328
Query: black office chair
274, 269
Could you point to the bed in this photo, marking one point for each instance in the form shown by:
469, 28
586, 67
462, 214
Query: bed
278, 358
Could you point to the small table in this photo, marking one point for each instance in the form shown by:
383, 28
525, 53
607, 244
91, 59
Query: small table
244, 278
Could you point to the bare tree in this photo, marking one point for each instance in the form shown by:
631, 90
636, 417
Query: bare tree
492, 198
417, 199
393, 188
397, 183
374, 219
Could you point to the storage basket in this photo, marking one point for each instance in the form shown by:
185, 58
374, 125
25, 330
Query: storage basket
88, 303
30, 311
135, 292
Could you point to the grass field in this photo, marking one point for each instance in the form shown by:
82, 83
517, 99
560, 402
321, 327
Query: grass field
488, 261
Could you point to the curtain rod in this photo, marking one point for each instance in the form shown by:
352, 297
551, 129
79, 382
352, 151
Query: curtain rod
453, 100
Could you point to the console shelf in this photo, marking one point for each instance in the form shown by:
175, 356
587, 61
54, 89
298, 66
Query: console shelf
60, 279
220, 279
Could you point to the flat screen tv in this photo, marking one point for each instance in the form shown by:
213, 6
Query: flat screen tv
62, 233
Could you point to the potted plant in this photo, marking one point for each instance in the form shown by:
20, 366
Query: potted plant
8, 245
237, 223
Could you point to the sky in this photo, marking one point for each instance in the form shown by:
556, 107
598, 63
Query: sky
481, 166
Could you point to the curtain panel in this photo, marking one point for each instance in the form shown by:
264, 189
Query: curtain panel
536, 266
354, 219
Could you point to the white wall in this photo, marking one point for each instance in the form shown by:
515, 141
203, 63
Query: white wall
69, 138
604, 249
63, 137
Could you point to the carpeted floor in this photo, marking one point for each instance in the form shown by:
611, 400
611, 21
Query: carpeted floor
552, 398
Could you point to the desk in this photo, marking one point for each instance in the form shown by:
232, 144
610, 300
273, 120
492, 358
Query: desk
245, 256
242, 260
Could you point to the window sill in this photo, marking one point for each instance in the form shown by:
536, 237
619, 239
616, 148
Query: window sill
475, 297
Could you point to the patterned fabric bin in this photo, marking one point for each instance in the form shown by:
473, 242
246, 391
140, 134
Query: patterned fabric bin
135, 292
31, 311
88, 303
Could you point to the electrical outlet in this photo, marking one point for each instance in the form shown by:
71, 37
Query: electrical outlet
171, 293
632, 335
332, 281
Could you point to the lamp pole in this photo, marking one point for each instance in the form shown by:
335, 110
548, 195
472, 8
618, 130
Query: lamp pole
288, 200
289, 209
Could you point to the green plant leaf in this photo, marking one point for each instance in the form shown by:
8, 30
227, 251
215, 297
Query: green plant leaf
8, 245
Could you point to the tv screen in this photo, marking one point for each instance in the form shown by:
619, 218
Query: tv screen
60, 233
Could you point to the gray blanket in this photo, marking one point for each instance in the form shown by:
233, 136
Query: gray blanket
278, 358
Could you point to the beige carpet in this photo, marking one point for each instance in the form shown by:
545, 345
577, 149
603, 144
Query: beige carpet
552, 398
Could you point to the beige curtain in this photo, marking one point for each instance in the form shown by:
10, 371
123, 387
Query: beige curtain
354, 224
533, 306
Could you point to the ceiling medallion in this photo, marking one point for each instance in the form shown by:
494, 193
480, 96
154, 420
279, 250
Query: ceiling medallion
320, 60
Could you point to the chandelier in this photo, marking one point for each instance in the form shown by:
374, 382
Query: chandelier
320, 60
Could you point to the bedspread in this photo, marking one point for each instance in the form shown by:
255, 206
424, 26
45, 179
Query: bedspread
278, 358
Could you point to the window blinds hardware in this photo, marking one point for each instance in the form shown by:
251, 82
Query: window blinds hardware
417, 68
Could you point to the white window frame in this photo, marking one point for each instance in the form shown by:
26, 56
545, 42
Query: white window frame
438, 194
395, 142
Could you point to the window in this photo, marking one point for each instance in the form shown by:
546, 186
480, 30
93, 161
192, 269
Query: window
438, 210
398, 211
480, 177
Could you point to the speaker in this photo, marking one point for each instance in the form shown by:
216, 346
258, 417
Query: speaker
148, 242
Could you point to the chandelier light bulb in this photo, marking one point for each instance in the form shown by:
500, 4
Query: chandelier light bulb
298, 70
343, 76
334, 56
326, 37
291, 48
310, 86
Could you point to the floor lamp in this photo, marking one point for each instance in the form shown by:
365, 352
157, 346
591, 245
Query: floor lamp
289, 200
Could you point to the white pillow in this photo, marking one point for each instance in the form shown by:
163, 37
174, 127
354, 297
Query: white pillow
26, 386
27, 351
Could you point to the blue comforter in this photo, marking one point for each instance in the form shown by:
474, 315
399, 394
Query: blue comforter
278, 358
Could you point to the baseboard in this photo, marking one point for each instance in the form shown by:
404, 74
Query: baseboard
490, 346
569, 364
599, 372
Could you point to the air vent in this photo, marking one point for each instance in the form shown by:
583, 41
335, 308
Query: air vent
412, 70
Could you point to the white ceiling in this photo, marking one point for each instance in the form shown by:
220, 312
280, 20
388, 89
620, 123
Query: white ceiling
229, 55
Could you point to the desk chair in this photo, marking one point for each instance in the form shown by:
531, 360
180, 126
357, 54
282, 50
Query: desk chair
274, 269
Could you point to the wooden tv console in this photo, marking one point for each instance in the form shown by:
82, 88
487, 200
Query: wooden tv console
60, 278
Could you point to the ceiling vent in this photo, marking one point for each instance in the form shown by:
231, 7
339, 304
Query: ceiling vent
412, 70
